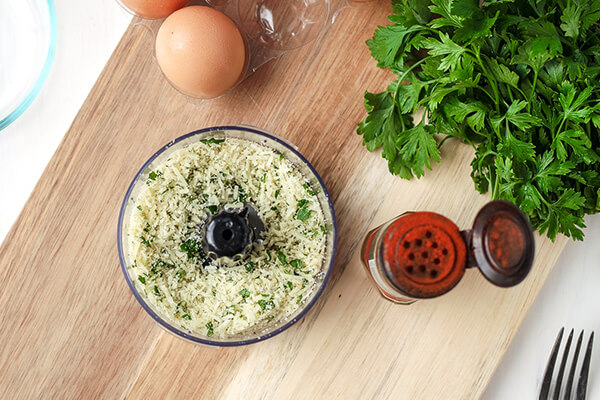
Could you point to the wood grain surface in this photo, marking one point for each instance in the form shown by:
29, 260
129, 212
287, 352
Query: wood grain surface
70, 328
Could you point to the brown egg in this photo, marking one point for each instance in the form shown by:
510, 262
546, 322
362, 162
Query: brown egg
154, 8
201, 51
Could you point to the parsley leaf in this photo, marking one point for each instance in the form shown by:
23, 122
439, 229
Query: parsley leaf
191, 247
297, 264
209, 328
517, 80
212, 141
303, 213
282, 258
250, 266
266, 305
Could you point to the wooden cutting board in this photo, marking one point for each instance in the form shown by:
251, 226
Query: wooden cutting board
70, 328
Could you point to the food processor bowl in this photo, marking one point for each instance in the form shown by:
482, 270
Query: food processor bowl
277, 144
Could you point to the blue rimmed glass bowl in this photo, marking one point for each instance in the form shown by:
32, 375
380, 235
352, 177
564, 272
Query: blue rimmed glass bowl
27, 46
266, 139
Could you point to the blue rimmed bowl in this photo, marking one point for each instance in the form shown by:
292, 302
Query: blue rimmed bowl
27, 47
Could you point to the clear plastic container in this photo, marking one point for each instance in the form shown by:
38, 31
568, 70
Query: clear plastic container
27, 47
270, 27
279, 145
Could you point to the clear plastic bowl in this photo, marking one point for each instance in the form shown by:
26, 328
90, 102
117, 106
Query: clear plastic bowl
264, 138
27, 47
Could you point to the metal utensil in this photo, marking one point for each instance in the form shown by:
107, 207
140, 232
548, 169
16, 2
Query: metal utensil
580, 391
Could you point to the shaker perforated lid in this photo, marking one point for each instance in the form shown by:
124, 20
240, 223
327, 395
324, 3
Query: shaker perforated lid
423, 254
502, 244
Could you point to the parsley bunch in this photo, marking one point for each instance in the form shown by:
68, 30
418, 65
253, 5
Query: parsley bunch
519, 80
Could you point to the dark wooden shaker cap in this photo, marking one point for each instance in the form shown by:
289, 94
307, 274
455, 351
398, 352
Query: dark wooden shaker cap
501, 244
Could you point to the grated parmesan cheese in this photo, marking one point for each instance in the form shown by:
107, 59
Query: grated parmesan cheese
214, 297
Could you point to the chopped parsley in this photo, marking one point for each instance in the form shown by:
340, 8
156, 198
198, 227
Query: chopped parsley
180, 274
245, 293
242, 196
183, 305
290, 285
159, 265
303, 213
145, 241
152, 176
156, 292
230, 309
266, 305
139, 207
209, 328
308, 189
297, 264
282, 257
142, 279
302, 203
264, 177
250, 266
155, 271
269, 254
213, 209
299, 299
186, 316
277, 193
191, 247
212, 141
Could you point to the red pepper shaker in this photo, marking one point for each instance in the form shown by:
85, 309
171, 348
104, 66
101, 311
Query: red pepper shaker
420, 255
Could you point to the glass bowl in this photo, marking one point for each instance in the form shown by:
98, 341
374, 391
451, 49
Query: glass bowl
27, 47
261, 137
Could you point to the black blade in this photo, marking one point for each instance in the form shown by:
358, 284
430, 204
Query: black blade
563, 364
569, 387
547, 381
585, 370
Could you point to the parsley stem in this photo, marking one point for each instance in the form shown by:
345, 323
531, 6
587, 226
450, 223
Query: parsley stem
540, 195
494, 184
560, 127
490, 80
512, 99
411, 68
535, 77
522, 93
486, 92
401, 77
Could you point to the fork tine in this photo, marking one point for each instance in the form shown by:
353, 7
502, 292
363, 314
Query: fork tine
563, 364
585, 370
569, 387
545, 390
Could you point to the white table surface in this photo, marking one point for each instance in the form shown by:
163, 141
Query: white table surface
88, 31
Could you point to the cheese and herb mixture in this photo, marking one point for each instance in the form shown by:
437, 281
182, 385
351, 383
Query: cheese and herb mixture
215, 297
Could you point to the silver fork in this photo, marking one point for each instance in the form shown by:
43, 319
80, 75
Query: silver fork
581, 387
